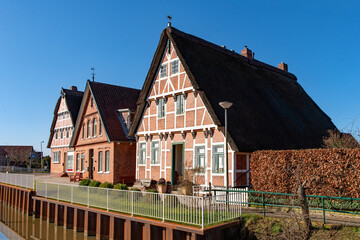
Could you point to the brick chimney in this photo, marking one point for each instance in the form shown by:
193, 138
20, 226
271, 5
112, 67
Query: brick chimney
73, 88
283, 66
247, 53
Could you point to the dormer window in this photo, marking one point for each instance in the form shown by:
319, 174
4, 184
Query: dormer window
174, 67
163, 72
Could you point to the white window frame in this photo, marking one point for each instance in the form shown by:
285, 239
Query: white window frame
196, 159
78, 161
82, 160
161, 108
182, 102
100, 161
107, 161
56, 157
94, 127
172, 72
152, 149
142, 161
214, 154
162, 72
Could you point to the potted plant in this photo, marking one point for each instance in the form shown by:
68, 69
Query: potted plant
161, 185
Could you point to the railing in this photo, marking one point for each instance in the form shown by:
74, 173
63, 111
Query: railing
21, 180
193, 210
220, 190
288, 200
15, 169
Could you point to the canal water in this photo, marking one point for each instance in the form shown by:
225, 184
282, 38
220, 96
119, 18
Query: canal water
17, 225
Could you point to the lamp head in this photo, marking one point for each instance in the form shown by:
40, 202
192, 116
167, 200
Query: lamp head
225, 104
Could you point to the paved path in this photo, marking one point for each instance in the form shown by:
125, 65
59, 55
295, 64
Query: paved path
53, 178
316, 216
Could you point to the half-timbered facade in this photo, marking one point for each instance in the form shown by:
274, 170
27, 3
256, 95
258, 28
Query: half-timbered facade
179, 125
103, 151
65, 114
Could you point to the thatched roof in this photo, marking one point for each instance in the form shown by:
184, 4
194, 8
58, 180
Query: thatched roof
73, 101
271, 110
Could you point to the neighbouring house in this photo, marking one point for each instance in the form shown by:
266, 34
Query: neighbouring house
61, 131
19, 156
103, 151
179, 124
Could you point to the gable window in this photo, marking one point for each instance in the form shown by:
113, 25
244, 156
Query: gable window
174, 67
94, 127
78, 162
200, 158
100, 130
100, 163
142, 153
56, 134
82, 161
161, 108
163, 72
56, 157
61, 133
218, 159
92, 102
67, 132
88, 128
180, 102
154, 153
83, 131
107, 161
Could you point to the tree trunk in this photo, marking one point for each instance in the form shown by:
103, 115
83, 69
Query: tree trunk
305, 210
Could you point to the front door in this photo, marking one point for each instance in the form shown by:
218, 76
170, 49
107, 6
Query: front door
91, 163
177, 166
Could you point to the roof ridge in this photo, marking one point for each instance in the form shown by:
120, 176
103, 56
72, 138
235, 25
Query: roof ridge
113, 85
216, 47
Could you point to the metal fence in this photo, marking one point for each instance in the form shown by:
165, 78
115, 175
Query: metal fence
15, 169
21, 180
193, 210
324, 204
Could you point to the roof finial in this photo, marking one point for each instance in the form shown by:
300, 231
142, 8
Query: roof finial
169, 18
93, 74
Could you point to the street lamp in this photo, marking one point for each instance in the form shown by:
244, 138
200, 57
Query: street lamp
41, 155
226, 105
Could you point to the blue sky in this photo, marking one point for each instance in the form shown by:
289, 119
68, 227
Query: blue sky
46, 45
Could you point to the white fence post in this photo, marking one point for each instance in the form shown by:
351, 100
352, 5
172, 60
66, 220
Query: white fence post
72, 193
46, 192
202, 213
107, 199
164, 196
58, 192
132, 203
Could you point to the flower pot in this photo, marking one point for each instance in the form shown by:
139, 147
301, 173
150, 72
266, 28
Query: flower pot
161, 188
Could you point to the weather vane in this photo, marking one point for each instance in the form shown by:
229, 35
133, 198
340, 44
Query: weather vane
93, 74
169, 18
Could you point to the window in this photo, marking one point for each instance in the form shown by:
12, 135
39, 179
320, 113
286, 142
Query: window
67, 132
180, 100
155, 153
70, 162
92, 102
174, 67
83, 131
82, 162
100, 131
88, 128
161, 108
163, 72
94, 127
56, 157
142, 153
78, 162
218, 159
107, 161
100, 163
56, 134
200, 158
61, 133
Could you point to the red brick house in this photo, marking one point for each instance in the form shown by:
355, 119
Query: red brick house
61, 131
103, 151
19, 156
179, 125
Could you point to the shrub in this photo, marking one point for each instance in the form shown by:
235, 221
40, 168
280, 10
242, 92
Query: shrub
152, 190
85, 182
161, 181
121, 186
94, 184
135, 189
106, 185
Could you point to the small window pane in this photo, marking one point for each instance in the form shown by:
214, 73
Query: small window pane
100, 164
180, 104
174, 67
163, 72
161, 108
155, 152
107, 161
82, 162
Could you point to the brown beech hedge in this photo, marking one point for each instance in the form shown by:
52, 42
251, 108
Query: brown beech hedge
328, 172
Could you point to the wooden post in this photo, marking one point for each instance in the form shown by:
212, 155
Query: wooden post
169, 234
75, 221
98, 226
65, 216
146, 231
41, 210
86, 222
56, 214
48, 213
127, 229
111, 227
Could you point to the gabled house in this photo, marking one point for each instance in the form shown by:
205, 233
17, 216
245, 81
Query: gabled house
179, 124
61, 131
103, 151
19, 156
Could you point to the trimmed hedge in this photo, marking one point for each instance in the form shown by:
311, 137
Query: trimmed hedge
121, 186
106, 185
328, 172
94, 184
85, 182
